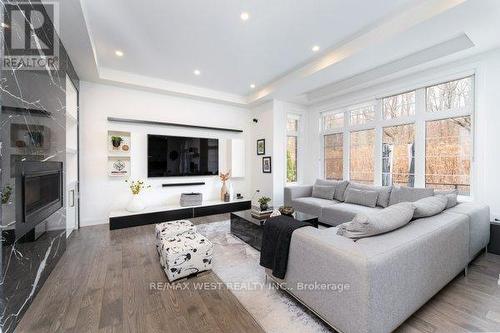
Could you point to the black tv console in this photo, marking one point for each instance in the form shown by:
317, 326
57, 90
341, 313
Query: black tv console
153, 215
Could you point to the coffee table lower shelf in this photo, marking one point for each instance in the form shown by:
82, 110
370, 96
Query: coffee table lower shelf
249, 229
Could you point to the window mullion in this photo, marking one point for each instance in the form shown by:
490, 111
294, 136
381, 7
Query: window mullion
377, 156
346, 145
420, 115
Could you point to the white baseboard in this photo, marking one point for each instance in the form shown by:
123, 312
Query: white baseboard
88, 223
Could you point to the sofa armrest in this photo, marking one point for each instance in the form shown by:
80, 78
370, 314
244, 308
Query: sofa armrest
296, 191
479, 224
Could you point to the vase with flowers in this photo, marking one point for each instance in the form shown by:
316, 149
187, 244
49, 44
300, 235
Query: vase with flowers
224, 177
136, 204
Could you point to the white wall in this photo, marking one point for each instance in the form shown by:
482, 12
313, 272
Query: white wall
263, 129
271, 126
100, 193
486, 67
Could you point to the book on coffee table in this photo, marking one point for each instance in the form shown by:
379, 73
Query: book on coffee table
261, 214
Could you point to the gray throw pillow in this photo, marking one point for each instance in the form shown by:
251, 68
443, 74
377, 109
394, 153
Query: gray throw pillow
429, 206
361, 197
340, 186
384, 192
451, 195
323, 192
409, 194
385, 220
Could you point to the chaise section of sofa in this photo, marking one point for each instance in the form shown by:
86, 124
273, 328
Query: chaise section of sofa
390, 276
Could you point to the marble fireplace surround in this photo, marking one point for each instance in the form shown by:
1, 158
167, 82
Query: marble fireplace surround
33, 105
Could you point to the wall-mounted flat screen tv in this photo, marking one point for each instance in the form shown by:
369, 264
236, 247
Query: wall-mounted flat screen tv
176, 156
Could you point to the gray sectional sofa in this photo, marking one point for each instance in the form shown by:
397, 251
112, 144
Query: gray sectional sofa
389, 276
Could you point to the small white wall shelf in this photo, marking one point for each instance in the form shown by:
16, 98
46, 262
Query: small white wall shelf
118, 166
121, 149
118, 154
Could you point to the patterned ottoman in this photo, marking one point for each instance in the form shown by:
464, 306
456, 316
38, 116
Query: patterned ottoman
185, 254
171, 229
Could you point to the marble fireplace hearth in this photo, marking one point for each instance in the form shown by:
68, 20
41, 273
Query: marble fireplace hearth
33, 128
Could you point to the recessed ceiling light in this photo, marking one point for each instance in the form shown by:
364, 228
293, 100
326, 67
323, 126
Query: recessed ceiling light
252, 86
315, 48
5, 25
244, 16
119, 53
196, 72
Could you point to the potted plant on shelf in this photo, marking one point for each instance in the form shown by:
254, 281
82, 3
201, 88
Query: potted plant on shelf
136, 204
116, 141
224, 177
263, 202
6, 193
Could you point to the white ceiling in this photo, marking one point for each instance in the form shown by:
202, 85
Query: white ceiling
164, 41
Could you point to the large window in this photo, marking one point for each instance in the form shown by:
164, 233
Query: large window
398, 155
448, 146
361, 156
334, 156
417, 138
292, 129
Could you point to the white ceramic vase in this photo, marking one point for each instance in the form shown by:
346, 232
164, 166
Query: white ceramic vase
135, 204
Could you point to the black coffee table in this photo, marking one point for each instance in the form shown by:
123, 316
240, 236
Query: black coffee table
249, 229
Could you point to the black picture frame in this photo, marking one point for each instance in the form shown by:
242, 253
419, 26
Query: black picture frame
265, 168
262, 150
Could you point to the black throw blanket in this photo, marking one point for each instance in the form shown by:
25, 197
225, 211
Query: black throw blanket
276, 240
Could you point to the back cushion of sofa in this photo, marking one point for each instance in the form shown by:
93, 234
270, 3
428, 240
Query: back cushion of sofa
361, 197
384, 192
451, 195
409, 194
383, 221
429, 206
323, 192
340, 186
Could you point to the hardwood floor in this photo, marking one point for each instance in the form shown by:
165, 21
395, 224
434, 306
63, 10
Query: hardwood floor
102, 284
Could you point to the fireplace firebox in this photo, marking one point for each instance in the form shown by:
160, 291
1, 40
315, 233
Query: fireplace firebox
39, 194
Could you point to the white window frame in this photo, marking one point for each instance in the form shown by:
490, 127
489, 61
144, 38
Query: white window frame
298, 135
419, 120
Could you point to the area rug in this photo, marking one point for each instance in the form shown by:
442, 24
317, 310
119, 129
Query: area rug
237, 265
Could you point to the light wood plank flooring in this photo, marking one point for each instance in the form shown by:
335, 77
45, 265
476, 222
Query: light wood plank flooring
102, 284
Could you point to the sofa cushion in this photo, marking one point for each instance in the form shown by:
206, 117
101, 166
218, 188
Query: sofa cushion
343, 212
340, 186
383, 192
361, 197
429, 206
388, 219
323, 192
409, 194
451, 195
311, 205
